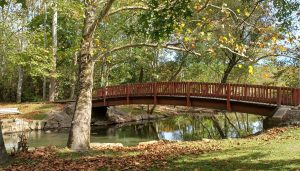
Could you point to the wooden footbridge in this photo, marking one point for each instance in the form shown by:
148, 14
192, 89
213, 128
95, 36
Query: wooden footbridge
256, 99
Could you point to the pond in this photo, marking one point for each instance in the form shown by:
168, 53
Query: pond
182, 128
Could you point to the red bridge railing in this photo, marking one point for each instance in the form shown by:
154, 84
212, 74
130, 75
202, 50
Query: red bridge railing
251, 93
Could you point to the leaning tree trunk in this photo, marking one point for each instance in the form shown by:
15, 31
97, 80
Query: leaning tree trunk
233, 60
79, 136
3, 153
52, 85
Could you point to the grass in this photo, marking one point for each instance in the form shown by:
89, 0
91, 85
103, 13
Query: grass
277, 149
32, 111
268, 151
36, 116
281, 152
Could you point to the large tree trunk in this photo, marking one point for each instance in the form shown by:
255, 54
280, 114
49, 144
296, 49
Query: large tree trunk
52, 85
79, 137
3, 153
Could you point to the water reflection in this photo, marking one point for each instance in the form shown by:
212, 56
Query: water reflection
183, 128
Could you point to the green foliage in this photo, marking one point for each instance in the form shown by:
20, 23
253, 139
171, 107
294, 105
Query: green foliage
163, 17
285, 9
224, 33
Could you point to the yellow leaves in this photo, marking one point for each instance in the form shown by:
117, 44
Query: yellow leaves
282, 48
266, 76
247, 14
189, 31
240, 48
97, 42
186, 39
240, 66
223, 39
109, 59
209, 36
182, 25
274, 39
230, 40
238, 10
250, 70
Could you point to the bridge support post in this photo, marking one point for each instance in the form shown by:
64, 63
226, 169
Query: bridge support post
228, 97
188, 99
127, 94
104, 96
279, 96
298, 97
155, 93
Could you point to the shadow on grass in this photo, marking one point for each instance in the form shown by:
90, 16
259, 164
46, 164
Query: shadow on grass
242, 162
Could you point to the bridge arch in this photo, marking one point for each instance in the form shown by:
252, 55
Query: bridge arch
255, 99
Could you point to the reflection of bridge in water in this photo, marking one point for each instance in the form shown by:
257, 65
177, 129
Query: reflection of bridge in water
256, 99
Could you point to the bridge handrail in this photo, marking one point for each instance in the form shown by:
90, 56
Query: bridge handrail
243, 92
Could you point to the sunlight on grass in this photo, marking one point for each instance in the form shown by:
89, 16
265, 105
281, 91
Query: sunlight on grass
38, 116
280, 153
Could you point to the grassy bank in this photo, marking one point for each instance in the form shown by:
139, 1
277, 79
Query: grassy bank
277, 149
32, 111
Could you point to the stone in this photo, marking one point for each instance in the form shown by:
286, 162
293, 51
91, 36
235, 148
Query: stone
9, 111
69, 109
101, 123
284, 116
58, 119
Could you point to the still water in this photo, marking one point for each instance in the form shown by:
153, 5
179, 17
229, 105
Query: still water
182, 128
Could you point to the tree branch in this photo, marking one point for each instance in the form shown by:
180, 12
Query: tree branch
128, 8
230, 10
234, 52
103, 13
204, 6
256, 4
152, 45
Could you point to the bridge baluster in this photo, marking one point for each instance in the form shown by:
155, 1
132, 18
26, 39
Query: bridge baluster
228, 97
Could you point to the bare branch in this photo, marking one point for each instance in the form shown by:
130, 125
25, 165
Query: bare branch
256, 4
277, 55
204, 6
234, 52
231, 11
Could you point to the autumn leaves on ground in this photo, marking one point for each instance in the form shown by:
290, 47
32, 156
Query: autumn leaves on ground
276, 149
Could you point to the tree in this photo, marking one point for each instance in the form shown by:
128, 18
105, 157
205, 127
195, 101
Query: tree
79, 137
3, 153
52, 86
